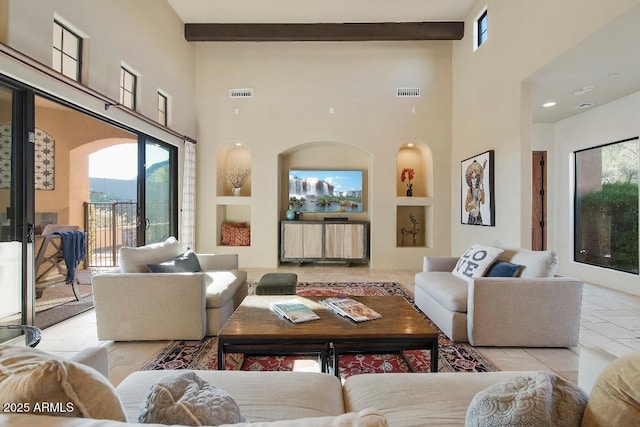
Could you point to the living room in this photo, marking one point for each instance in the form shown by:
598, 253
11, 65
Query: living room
333, 105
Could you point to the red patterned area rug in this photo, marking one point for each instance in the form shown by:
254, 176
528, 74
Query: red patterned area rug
453, 356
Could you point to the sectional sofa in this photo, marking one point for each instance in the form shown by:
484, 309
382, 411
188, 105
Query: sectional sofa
287, 399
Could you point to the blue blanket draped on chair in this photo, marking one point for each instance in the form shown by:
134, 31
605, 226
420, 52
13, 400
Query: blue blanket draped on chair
74, 250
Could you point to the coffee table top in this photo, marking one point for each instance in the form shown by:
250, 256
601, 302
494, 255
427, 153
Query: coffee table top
254, 321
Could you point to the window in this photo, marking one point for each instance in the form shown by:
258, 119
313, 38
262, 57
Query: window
163, 109
67, 51
128, 87
606, 206
481, 28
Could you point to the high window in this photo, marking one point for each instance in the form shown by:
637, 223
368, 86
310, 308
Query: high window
481, 28
163, 109
67, 51
606, 206
128, 87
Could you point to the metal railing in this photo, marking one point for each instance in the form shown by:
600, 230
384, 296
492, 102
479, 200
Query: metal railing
109, 226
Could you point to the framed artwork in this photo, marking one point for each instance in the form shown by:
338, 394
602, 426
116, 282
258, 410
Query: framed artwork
477, 195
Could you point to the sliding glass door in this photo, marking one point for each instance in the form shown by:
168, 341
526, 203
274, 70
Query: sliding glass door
16, 206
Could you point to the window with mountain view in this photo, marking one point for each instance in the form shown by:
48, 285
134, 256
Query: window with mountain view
606, 206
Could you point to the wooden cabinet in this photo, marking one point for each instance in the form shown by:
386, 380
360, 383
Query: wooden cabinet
309, 241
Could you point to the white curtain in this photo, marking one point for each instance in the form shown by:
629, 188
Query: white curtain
187, 236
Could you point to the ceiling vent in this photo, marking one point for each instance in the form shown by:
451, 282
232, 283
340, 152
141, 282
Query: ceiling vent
408, 92
584, 105
245, 92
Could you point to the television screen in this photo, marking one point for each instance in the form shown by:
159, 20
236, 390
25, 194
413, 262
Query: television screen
325, 191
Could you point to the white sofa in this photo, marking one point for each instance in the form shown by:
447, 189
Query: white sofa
288, 399
535, 309
136, 304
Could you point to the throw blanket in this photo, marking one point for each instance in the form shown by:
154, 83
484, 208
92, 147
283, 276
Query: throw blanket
74, 250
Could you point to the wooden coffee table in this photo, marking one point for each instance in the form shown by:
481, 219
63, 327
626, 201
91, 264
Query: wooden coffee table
255, 329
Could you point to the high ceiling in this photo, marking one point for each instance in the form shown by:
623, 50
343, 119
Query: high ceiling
314, 11
604, 67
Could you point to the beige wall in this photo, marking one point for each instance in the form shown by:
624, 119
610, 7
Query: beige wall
288, 123
491, 108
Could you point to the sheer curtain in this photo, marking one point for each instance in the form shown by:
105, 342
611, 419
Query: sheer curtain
187, 236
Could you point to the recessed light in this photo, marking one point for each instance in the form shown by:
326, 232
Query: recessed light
238, 144
549, 104
410, 144
584, 90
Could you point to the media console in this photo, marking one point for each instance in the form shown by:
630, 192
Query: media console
316, 241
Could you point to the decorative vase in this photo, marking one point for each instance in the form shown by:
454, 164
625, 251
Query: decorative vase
236, 191
290, 214
410, 190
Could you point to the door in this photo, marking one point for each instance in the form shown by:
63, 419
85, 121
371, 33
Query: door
159, 189
539, 201
17, 139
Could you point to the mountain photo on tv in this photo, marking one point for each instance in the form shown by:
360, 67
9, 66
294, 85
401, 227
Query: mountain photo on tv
325, 191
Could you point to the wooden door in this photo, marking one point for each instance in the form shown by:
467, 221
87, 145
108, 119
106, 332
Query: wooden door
539, 201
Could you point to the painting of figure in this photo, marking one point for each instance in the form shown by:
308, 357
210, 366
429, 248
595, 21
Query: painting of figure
477, 190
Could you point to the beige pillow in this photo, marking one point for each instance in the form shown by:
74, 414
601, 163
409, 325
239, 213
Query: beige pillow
535, 264
475, 261
135, 260
50, 385
541, 399
615, 397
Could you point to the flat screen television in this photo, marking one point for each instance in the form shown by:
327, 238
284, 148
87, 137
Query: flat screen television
325, 190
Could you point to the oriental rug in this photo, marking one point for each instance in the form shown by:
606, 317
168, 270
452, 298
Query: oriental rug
453, 356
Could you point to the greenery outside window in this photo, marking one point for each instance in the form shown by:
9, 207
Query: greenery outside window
606, 206
128, 86
67, 52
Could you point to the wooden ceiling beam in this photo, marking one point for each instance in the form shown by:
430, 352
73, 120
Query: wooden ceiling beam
325, 32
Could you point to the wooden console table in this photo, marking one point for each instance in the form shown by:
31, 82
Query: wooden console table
313, 241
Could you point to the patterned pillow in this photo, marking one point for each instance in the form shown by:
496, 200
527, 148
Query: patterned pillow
541, 399
476, 261
186, 399
227, 230
239, 236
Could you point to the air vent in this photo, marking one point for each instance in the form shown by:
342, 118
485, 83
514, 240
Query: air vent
585, 105
408, 92
246, 92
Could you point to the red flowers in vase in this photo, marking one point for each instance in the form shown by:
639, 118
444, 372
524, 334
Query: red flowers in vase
407, 175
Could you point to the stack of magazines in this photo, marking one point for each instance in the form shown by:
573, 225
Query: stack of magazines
350, 308
294, 310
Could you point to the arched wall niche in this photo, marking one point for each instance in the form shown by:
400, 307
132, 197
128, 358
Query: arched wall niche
233, 155
417, 156
324, 155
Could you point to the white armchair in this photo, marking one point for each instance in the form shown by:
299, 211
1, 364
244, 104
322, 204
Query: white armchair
500, 311
138, 305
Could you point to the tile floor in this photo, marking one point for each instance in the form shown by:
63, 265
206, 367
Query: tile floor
610, 320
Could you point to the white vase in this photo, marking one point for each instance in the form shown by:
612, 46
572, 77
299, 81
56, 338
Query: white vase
236, 191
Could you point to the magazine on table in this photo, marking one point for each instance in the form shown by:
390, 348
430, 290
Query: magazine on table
350, 308
294, 310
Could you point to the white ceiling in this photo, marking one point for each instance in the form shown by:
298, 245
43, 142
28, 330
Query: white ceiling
314, 11
609, 60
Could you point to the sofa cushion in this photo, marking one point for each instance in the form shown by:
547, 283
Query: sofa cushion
222, 286
503, 269
476, 261
186, 262
186, 399
52, 385
449, 290
135, 260
539, 399
535, 264
615, 397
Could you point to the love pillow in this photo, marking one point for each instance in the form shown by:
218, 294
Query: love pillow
476, 261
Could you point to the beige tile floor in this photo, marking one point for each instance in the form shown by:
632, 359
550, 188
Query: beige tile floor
610, 320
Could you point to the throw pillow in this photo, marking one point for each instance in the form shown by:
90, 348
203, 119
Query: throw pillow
535, 264
186, 262
51, 385
227, 228
476, 261
186, 399
135, 260
503, 269
541, 399
239, 236
615, 396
